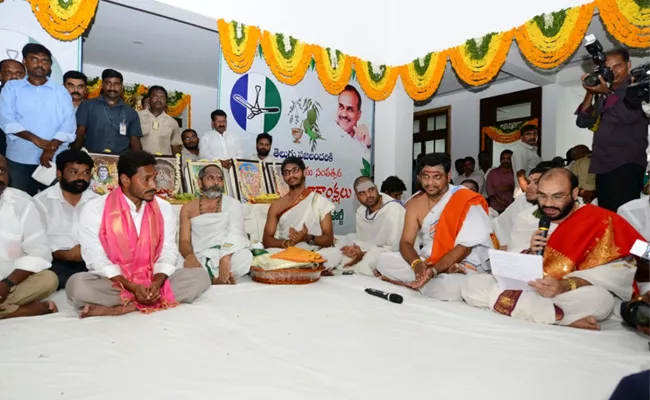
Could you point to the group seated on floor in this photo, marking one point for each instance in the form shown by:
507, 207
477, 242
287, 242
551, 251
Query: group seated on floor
117, 253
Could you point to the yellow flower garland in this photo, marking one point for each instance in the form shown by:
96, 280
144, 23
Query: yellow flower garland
289, 71
480, 72
549, 52
421, 87
376, 91
626, 21
61, 22
333, 79
496, 134
240, 57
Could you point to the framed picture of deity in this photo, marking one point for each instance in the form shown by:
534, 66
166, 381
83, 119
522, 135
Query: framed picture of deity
168, 179
249, 179
104, 177
274, 179
192, 177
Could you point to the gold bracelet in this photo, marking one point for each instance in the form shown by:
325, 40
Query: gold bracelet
572, 284
414, 263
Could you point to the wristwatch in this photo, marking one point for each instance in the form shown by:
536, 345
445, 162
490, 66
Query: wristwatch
8, 282
312, 240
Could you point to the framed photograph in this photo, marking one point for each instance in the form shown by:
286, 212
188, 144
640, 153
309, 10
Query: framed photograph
104, 174
192, 178
274, 179
166, 180
249, 177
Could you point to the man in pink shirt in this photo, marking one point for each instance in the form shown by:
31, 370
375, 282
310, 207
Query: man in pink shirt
500, 183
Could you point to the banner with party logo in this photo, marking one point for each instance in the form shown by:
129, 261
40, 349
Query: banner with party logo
331, 133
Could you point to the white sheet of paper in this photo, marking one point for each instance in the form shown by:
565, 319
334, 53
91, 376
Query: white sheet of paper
45, 175
513, 271
641, 249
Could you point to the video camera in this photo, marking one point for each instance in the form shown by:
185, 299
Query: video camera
640, 89
595, 50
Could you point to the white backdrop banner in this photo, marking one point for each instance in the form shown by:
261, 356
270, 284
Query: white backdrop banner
332, 134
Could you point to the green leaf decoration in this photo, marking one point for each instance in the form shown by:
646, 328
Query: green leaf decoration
65, 4
93, 81
312, 64
279, 40
422, 69
555, 27
642, 3
376, 77
367, 168
239, 40
478, 52
260, 52
353, 75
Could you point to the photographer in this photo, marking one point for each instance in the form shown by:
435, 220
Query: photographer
621, 135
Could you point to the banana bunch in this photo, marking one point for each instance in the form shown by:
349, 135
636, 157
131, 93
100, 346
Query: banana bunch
265, 198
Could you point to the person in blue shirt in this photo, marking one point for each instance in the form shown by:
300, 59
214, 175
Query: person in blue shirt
37, 117
9, 70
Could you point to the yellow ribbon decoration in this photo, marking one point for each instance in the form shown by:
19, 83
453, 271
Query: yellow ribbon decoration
291, 70
626, 21
67, 21
479, 72
375, 90
334, 79
421, 87
239, 57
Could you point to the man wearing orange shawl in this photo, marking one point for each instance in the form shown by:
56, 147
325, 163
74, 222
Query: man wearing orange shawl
128, 241
586, 261
453, 225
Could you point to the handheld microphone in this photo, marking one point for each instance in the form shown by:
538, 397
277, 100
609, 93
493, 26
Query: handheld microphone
392, 297
544, 225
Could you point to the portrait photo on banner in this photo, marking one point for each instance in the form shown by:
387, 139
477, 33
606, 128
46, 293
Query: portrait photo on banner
331, 133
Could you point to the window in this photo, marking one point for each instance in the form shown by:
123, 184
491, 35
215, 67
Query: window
431, 131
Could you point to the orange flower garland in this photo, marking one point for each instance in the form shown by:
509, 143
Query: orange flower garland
627, 21
421, 78
333, 78
505, 136
478, 69
238, 44
377, 83
548, 52
64, 20
288, 58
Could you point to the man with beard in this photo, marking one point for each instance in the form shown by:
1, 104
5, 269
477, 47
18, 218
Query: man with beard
212, 231
500, 183
585, 261
220, 144
160, 132
190, 151
263, 147
379, 223
301, 218
37, 117
106, 123
525, 157
9, 70
76, 82
453, 224
128, 241
25, 255
58, 205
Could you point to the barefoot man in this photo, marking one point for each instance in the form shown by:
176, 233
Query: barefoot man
585, 261
128, 241
301, 218
25, 255
212, 231
455, 230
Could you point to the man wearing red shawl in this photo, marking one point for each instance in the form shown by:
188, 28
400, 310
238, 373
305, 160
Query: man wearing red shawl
586, 261
128, 241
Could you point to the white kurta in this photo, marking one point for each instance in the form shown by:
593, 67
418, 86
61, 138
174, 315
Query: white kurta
475, 234
524, 156
503, 223
23, 239
637, 213
215, 146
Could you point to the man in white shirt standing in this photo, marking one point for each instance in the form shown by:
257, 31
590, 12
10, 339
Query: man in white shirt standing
469, 165
58, 205
128, 241
525, 157
25, 278
263, 146
219, 144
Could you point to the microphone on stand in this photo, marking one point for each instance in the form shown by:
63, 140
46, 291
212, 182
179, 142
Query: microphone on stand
544, 225
392, 297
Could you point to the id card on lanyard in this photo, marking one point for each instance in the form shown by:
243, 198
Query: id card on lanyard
123, 128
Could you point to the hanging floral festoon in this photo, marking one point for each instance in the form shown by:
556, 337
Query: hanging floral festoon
548, 40
627, 20
64, 19
238, 44
478, 61
93, 87
422, 77
505, 132
334, 68
287, 57
377, 81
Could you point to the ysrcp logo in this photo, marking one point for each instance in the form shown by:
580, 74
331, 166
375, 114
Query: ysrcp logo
255, 103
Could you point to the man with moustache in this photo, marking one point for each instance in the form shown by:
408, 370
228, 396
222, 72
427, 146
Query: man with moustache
190, 151
379, 223
525, 157
76, 82
160, 132
9, 70
348, 115
37, 117
263, 147
219, 144
455, 230
500, 183
106, 123
301, 218
128, 241
58, 205
585, 261
212, 232
25, 278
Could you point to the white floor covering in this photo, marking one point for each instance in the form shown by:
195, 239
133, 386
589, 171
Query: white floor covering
328, 340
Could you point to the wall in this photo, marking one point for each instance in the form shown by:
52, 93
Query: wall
204, 99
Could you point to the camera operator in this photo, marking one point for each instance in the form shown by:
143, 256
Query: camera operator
621, 138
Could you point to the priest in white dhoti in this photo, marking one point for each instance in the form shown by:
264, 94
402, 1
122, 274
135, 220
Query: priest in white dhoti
212, 231
25, 255
301, 218
637, 213
455, 232
585, 261
379, 223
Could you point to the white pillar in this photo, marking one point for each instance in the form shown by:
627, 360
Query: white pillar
551, 95
393, 145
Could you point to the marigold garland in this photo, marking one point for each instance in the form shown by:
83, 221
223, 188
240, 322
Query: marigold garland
288, 58
477, 65
627, 20
377, 81
238, 44
64, 20
547, 49
422, 77
333, 77
505, 135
